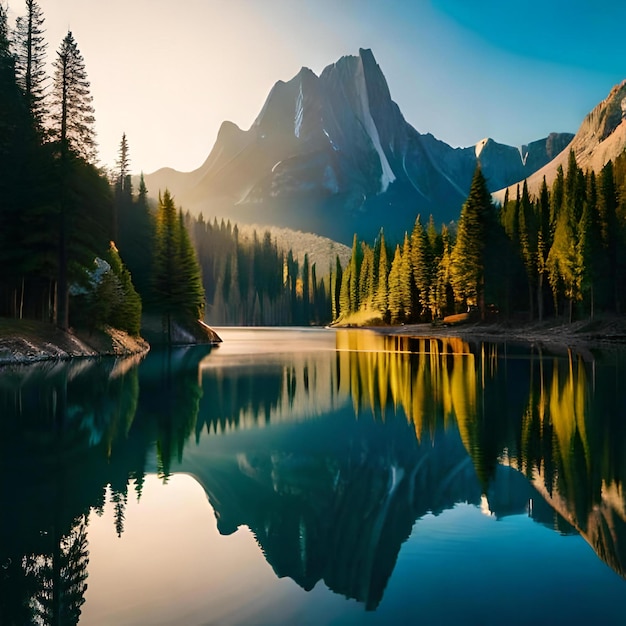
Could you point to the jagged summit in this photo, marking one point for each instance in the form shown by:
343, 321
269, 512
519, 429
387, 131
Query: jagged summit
333, 154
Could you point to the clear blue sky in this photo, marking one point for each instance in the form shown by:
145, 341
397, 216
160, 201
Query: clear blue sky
168, 73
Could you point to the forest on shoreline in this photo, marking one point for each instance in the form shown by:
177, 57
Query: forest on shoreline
83, 249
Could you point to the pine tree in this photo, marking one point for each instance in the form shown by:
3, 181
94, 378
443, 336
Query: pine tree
135, 237
355, 269
164, 265
528, 238
443, 292
563, 259
422, 263
590, 255
191, 297
123, 165
544, 242
557, 197
335, 288
381, 299
366, 277
407, 289
306, 280
72, 112
30, 47
123, 188
344, 292
469, 262
609, 223
73, 133
15, 161
395, 288
126, 315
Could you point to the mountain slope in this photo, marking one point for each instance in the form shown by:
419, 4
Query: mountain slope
600, 138
334, 155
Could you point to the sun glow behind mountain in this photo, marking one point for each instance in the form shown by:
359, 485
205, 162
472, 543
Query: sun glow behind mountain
174, 71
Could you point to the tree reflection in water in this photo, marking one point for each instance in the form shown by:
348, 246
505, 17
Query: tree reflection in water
350, 448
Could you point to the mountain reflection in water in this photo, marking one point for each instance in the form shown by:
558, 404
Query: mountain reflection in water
329, 446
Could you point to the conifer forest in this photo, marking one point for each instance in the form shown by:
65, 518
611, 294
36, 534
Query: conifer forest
83, 245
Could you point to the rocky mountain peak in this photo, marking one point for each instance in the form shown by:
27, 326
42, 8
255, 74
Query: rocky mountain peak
600, 138
334, 155
609, 114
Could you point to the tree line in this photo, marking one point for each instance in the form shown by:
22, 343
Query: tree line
559, 254
249, 280
70, 232
56, 204
80, 247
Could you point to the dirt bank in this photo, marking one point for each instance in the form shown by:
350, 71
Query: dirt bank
25, 341
601, 332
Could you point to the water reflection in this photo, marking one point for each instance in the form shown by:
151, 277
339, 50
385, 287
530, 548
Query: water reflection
328, 446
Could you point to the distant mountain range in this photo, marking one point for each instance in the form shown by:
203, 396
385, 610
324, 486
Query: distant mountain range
600, 138
333, 154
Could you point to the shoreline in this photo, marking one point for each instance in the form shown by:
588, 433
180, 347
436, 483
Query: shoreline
25, 342
581, 336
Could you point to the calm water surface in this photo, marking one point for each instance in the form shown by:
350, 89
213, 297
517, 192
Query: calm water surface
300, 476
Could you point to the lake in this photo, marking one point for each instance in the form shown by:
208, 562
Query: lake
309, 476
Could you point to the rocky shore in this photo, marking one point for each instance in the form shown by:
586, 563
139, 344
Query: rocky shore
24, 342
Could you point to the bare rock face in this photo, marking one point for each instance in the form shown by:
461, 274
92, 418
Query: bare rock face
333, 154
600, 138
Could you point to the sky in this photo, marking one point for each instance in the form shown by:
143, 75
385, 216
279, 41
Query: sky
169, 72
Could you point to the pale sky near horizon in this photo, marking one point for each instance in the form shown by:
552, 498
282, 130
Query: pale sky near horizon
169, 73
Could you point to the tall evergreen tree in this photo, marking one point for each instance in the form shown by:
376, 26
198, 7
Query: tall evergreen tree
190, 291
164, 265
122, 165
590, 256
544, 242
564, 262
73, 133
366, 278
557, 197
345, 306
72, 112
123, 188
381, 299
528, 238
30, 47
443, 292
126, 315
335, 288
422, 263
609, 223
470, 262
177, 282
395, 305
355, 270
15, 137
407, 285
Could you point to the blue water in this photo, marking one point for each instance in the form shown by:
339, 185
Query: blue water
298, 476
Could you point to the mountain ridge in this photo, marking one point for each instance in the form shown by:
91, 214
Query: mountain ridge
333, 154
601, 137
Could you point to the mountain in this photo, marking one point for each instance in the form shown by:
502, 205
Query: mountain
338, 504
333, 154
600, 138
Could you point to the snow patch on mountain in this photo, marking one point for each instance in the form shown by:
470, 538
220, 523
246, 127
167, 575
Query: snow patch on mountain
387, 176
299, 112
333, 145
